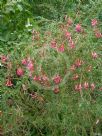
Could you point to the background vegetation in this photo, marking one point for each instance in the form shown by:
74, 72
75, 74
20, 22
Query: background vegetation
68, 113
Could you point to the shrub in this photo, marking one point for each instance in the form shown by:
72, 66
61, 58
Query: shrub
52, 84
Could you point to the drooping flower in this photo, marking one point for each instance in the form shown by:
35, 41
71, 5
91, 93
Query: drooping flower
9, 82
33, 95
30, 74
98, 34
68, 35
4, 58
53, 44
45, 78
20, 72
94, 55
61, 48
30, 66
71, 44
92, 86
35, 78
24, 62
69, 22
78, 63
94, 22
75, 77
78, 28
56, 90
78, 87
86, 85
57, 79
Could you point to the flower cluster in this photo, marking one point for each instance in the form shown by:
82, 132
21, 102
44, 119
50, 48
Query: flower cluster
60, 44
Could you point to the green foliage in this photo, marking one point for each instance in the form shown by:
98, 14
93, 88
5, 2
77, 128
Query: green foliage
68, 113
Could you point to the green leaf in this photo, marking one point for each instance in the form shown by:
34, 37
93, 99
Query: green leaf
19, 7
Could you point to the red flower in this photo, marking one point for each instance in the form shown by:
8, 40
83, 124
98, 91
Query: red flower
78, 63
53, 44
70, 22
20, 72
92, 86
61, 48
56, 90
37, 78
45, 78
78, 87
68, 35
57, 79
78, 28
98, 34
94, 22
94, 55
30, 66
71, 44
24, 62
33, 95
9, 82
75, 77
3, 59
86, 85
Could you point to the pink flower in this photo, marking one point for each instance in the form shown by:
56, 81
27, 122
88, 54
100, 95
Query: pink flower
30, 66
68, 35
98, 34
94, 55
20, 72
9, 82
39, 78
56, 90
24, 62
57, 79
78, 28
61, 48
78, 87
53, 44
78, 63
70, 22
30, 74
3, 59
75, 77
92, 86
44, 78
71, 44
35, 78
86, 85
94, 22
33, 95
